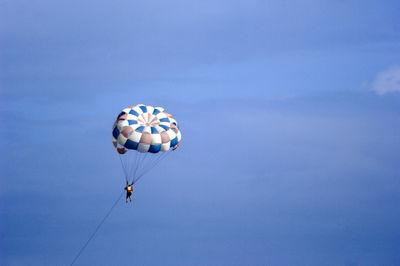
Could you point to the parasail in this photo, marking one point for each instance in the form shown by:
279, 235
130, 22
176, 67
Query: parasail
143, 135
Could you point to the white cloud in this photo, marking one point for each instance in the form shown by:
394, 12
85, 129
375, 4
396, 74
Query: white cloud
387, 81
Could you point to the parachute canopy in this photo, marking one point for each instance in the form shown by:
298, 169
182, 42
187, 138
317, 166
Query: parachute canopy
145, 128
141, 135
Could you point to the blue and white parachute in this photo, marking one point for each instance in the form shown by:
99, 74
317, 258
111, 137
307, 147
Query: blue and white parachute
142, 135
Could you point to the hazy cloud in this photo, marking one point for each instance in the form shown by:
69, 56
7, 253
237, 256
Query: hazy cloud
387, 81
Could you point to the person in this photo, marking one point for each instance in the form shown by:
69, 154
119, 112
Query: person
129, 189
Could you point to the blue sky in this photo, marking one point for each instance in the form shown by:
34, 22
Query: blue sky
290, 121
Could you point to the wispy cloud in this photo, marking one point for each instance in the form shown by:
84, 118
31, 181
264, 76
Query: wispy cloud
387, 81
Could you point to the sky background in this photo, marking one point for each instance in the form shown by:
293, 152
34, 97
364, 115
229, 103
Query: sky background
289, 112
